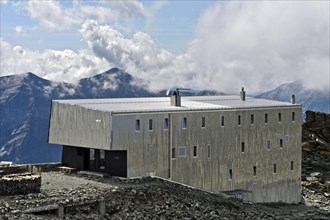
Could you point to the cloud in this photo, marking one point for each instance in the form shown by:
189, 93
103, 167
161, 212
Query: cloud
19, 29
262, 44
129, 9
66, 65
258, 45
138, 55
53, 16
4, 2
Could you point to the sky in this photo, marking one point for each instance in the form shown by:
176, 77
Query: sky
215, 45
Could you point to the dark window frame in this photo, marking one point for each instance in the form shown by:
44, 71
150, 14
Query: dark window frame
222, 121
252, 119
243, 147
203, 122
137, 125
165, 124
195, 151
150, 124
184, 122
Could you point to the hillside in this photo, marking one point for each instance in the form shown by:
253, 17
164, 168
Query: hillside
313, 100
25, 102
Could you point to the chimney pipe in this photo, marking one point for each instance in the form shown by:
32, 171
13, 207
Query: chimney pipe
293, 99
242, 93
176, 98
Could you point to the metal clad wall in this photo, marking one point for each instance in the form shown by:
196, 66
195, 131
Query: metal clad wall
76, 126
149, 151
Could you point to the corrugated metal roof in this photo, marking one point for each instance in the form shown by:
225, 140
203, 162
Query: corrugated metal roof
160, 104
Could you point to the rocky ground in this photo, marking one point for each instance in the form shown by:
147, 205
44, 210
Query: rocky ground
152, 198
316, 160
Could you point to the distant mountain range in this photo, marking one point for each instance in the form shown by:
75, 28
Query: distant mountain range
314, 100
25, 102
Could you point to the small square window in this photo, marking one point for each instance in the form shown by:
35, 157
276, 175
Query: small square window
243, 147
209, 151
239, 120
275, 168
254, 170
281, 143
279, 117
150, 124
203, 122
222, 121
195, 151
184, 122
266, 118
291, 165
182, 151
293, 116
268, 144
137, 125
230, 174
173, 153
165, 123
252, 119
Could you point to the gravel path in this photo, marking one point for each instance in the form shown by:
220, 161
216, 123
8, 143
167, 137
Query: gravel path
59, 181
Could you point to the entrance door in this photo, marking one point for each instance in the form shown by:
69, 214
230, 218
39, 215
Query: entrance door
116, 162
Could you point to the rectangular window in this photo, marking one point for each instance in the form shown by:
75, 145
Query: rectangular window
203, 122
279, 117
239, 120
137, 125
209, 151
286, 138
268, 144
274, 167
252, 119
150, 124
222, 121
266, 118
230, 174
182, 151
173, 152
243, 147
184, 122
195, 151
281, 143
293, 116
165, 123
291, 165
254, 170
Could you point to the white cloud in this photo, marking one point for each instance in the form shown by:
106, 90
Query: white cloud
19, 29
53, 16
262, 44
4, 2
138, 55
258, 45
65, 65
129, 9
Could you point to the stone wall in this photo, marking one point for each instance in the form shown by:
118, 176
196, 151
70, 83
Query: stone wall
23, 168
19, 184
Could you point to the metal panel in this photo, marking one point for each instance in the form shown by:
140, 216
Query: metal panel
78, 126
149, 150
